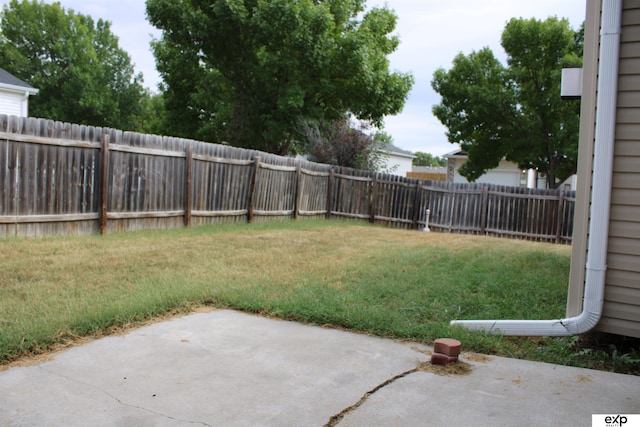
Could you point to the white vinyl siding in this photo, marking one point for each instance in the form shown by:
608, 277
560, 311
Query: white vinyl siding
13, 103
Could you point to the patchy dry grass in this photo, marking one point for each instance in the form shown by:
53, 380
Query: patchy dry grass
395, 283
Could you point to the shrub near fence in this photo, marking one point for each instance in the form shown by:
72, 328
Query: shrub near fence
60, 178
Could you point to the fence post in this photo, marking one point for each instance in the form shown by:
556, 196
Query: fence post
559, 219
416, 206
452, 210
16, 178
188, 189
296, 207
104, 183
330, 183
374, 195
485, 207
252, 190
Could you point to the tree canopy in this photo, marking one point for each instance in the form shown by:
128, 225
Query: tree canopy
83, 76
515, 111
251, 72
428, 159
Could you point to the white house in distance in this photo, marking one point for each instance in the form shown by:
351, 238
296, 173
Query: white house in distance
507, 173
399, 161
14, 95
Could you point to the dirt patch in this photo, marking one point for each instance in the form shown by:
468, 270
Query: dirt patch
455, 368
477, 357
583, 379
48, 353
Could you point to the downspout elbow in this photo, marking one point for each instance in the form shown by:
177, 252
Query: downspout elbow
580, 324
593, 301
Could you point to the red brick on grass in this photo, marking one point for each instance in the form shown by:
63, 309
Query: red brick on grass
442, 359
447, 346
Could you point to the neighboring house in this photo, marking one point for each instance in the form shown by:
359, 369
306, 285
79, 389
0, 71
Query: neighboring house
399, 161
14, 95
507, 173
604, 280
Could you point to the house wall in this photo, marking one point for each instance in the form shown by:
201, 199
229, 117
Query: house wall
398, 164
622, 294
621, 313
507, 173
13, 103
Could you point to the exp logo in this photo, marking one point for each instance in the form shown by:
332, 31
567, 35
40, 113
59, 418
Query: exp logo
618, 420
615, 420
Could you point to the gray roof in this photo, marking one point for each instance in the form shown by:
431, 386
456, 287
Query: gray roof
11, 80
458, 153
391, 149
398, 150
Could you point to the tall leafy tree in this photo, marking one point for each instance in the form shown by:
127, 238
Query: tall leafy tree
249, 72
151, 116
428, 159
515, 111
83, 76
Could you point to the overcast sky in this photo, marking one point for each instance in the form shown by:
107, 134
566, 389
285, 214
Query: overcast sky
432, 33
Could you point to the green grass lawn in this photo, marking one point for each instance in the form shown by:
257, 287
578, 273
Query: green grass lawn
393, 283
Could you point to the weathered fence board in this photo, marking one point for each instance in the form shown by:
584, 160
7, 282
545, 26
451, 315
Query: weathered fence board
61, 178
352, 196
313, 188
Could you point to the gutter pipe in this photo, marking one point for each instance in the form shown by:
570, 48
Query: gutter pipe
600, 199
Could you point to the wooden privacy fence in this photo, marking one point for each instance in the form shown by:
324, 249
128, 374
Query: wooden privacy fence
60, 178
503, 211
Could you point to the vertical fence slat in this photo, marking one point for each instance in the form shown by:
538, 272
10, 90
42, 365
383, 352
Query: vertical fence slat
484, 209
373, 198
298, 190
330, 184
252, 190
415, 214
104, 183
188, 186
559, 216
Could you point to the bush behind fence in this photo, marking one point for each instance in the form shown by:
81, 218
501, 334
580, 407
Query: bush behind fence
61, 178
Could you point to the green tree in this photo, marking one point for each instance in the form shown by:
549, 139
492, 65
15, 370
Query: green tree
151, 116
250, 72
81, 73
514, 112
427, 159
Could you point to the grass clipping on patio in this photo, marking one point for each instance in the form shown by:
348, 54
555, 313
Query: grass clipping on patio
387, 282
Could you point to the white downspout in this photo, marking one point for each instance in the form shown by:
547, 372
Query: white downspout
600, 199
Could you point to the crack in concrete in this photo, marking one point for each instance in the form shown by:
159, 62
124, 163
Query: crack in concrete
125, 403
335, 419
